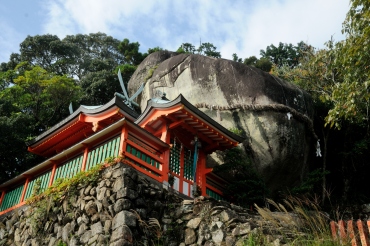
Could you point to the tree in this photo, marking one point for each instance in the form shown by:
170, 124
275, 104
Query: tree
351, 96
263, 63
251, 61
96, 52
152, 50
236, 58
131, 52
42, 96
245, 187
36, 101
14, 130
48, 52
338, 79
85, 58
284, 54
37, 85
186, 48
208, 49
99, 87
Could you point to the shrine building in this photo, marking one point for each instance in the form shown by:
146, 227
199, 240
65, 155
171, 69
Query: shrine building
170, 139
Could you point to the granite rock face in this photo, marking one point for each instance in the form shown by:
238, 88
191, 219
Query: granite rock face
274, 115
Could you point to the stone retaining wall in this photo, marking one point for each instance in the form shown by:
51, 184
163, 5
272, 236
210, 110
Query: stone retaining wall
126, 208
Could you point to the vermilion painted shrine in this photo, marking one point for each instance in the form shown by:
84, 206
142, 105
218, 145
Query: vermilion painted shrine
164, 140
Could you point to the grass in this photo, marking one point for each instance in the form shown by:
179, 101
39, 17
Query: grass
153, 232
299, 221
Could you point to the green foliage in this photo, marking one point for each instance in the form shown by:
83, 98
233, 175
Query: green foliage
36, 188
61, 243
236, 58
152, 50
98, 87
207, 49
64, 187
150, 72
245, 186
251, 61
339, 74
337, 77
284, 54
42, 95
237, 131
131, 52
256, 239
14, 130
264, 64
36, 100
186, 48
312, 184
62, 190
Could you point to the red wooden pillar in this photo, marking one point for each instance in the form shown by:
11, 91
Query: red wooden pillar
181, 179
84, 159
201, 172
53, 174
166, 137
2, 196
123, 141
24, 190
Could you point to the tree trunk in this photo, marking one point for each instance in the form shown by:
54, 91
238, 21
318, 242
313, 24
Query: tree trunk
325, 148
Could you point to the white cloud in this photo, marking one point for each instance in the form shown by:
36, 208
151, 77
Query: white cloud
60, 22
9, 41
289, 22
242, 27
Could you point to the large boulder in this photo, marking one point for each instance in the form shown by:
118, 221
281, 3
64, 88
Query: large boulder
275, 116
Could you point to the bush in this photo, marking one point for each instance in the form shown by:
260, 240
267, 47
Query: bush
245, 186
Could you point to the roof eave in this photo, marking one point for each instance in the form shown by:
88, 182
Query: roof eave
130, 114
181, 99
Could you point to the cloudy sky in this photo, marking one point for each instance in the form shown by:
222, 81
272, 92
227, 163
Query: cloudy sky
235, 26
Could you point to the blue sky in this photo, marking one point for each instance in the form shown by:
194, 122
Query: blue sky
235, 26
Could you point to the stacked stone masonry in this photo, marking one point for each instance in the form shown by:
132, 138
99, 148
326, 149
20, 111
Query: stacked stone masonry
126, 208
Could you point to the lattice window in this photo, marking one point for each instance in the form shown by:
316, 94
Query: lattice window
188, 165
175, 156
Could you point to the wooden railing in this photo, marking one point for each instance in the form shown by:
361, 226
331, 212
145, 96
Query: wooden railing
144, 159
214, 194
69, 169
11, 198
44, 180
356, 233
100, 153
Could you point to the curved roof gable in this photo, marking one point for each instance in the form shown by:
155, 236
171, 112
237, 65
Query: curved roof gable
181, 115
81, 124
